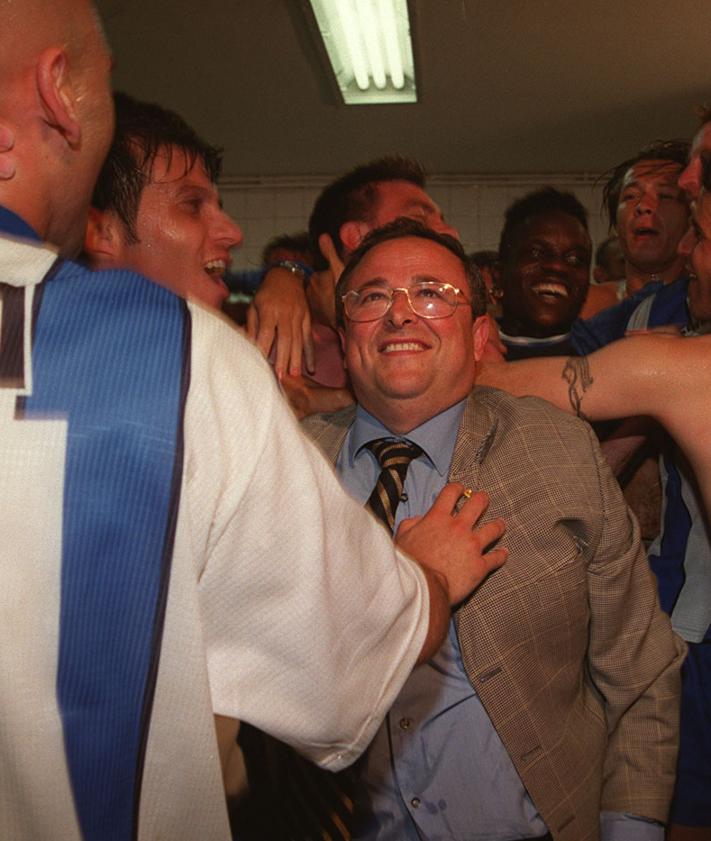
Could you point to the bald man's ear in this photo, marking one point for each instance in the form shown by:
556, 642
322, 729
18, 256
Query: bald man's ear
56, 94
352, 234
102, 241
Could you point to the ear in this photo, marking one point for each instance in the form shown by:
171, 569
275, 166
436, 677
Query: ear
352, 234
102, 240
480, 331
56, 94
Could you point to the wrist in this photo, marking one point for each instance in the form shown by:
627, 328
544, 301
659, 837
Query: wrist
297, 268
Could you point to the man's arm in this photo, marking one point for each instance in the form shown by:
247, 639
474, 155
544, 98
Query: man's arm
649, 374
634, 660
279, 316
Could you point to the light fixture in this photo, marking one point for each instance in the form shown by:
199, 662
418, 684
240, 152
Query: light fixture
368, 45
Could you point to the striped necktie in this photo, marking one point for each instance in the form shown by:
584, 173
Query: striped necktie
394, 458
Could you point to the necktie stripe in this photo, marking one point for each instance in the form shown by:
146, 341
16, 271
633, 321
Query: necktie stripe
394, 458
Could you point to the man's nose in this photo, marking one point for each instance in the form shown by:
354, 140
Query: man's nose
228, 231
648, 203
687, 242
400, 311
555, 263
442, 227
690, 178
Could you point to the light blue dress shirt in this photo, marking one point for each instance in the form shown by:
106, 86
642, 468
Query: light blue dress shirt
437, 769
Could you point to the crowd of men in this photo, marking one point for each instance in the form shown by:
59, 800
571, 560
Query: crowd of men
178, 558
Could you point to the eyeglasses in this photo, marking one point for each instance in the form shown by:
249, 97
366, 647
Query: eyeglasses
427, 299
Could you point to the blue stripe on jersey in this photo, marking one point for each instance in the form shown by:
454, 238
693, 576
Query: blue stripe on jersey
109, 354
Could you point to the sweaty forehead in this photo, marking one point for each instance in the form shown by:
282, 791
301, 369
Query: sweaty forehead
553, 225
653, 171
405, 258
173, 165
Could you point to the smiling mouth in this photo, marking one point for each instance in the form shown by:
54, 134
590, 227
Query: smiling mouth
216, 269
399, 347
550, 291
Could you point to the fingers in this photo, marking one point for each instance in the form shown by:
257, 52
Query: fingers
308, 344
252, 324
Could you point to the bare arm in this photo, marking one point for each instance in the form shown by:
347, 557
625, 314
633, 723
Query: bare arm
659, 375
279, 316
452, 553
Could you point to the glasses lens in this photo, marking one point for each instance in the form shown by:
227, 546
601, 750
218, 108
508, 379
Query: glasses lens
433, 300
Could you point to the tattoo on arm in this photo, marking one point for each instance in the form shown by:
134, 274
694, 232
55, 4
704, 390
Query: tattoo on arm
576, 372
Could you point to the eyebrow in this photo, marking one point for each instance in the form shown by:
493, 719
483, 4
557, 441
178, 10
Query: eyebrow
418, 278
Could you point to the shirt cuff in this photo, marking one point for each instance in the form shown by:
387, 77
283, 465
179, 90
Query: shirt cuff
620, 826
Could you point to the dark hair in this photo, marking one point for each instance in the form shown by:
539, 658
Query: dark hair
352, 197
536, 203
675, 151
485, 259
602, 253
399, 229
300, 243
144, 129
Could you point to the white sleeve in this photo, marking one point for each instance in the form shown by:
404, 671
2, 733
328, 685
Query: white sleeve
312, 620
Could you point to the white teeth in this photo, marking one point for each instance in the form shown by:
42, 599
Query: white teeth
393, 347
556, 289
215, 267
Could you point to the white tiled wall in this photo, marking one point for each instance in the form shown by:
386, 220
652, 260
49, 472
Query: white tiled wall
266, 207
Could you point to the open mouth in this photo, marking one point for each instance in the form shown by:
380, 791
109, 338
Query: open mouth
216, 269
402, 347
550, 291
645, 232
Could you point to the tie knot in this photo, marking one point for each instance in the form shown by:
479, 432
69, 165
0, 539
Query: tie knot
392, 453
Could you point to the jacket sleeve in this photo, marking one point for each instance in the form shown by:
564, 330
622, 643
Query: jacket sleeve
635, 660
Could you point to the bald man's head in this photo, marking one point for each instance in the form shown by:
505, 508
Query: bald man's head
55, 67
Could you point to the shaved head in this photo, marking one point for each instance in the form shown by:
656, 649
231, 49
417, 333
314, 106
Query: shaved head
55, 94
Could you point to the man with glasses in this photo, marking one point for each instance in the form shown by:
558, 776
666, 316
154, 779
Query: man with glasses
551, 708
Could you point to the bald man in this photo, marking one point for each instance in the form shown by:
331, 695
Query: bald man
156, 565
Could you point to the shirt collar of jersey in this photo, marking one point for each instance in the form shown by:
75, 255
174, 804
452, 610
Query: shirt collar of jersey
531, 341
435, 436
11, 223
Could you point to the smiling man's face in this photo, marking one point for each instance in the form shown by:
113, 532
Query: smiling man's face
546, 275
183, 235
406, 369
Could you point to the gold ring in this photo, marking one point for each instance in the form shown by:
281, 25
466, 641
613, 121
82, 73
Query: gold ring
467, 492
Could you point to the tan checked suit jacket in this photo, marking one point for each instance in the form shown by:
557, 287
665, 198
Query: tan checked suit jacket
566, 646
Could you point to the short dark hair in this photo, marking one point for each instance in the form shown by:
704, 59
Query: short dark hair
399, 229
485, 259
352, 197
675, 151
536, 203
144, 129
299, 243
602, 253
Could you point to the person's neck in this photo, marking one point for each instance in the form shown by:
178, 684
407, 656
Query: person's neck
402, 416
636, 278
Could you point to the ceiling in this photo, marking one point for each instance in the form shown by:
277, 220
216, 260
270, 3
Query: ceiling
507, 86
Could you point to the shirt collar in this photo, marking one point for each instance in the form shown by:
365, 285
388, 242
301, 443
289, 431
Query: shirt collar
435, 436
11, 223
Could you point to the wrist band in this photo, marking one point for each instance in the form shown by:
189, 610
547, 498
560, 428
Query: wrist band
295, 267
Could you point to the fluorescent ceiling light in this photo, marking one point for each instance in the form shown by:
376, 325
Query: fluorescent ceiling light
368, 45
